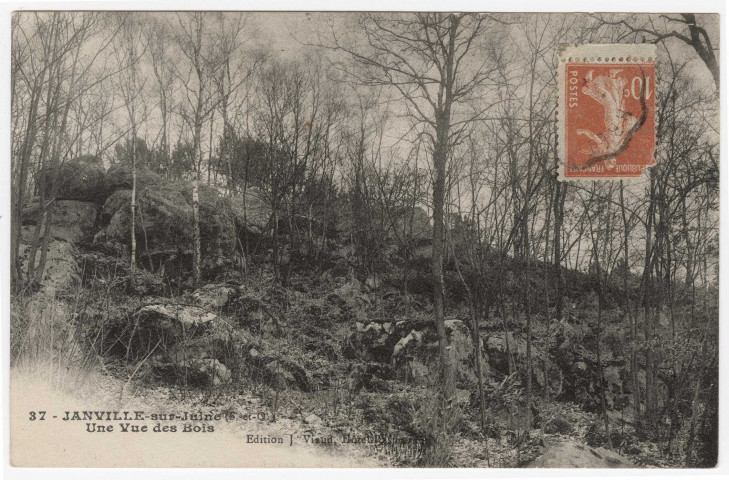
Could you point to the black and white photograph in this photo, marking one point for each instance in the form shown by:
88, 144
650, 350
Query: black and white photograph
481, 240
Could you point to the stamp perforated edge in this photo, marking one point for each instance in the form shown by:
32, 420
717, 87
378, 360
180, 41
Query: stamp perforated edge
617, 53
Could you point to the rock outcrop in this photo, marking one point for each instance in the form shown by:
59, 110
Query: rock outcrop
195, 371
164, 220
82, 178
71, 220
61, 273
215, 296
191, 344
119, 177
172, 322
412, 348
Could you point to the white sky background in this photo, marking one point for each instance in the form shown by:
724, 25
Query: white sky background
282, 34
285, 35
289, 36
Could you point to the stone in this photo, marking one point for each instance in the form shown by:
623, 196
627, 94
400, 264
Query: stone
419, 373
460, 341
119, 176
171, 323
71, 220
280, 373
570, 454
251, 210
372, 282
216, 372
61, 271
416, 226
164, 220
82, 178
462, 351
312, 419
496, 349
214, 296
184, 314
407, 345
195, 372
558, 425
369, 342
217, 223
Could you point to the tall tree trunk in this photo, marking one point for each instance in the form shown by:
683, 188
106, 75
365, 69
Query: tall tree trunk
196, 250
276, 247
651, 404
133, 239
21, 183
196, 231
527, 301
56, 159
600, 372
560, 194
547, 230
635, 386
439, 160
476, 338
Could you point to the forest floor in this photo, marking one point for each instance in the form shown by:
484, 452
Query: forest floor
229, 444
340, 418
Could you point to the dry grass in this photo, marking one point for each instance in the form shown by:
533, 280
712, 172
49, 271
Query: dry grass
44, 346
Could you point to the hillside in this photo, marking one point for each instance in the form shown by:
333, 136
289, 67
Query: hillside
329, 350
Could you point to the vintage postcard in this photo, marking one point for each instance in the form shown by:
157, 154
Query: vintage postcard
355, 239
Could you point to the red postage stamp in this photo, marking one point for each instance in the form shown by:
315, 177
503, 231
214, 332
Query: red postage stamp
607, 111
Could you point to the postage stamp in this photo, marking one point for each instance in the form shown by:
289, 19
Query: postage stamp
607, 114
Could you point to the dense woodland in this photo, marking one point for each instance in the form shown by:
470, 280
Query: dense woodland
357, 217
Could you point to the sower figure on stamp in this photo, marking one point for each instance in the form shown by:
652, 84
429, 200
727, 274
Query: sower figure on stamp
608, 91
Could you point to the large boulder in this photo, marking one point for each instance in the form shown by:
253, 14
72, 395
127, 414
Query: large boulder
71, 220
370, 342
251, 210
166, 328
163, 223
195, 372
462, 351
411, 348
61, 271
459, 337
119, 176
500, 347
570, 454
203, 354
414, 227
215, 296
277, 371
82, 178
575, 357
173, 321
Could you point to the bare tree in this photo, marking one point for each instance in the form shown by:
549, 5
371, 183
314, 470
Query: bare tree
200, 47
131, 86
685, 27
157, 39
422, 57
57, 75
